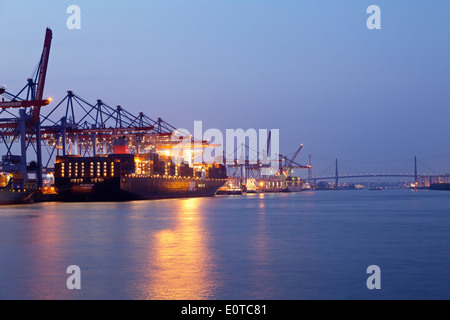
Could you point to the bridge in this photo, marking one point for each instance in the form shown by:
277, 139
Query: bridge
420, 180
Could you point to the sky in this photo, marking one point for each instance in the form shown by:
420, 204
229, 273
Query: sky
374, 99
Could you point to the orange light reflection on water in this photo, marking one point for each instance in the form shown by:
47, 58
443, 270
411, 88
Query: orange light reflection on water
183, 262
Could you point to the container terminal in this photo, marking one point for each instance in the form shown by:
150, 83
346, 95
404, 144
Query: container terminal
110, 154
246, 177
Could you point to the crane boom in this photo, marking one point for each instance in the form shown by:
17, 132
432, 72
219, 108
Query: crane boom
268, 143
42, 73
24, 104
295, 155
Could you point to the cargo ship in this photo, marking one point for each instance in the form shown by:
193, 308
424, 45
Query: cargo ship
440, 186
13, 190
272, 184
281, 184
123, 177
440, 183
233, 186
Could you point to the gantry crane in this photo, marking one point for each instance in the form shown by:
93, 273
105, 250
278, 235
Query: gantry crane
83, 129
287, 165
25, 126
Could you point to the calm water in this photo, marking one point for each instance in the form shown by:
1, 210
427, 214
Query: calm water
314, 245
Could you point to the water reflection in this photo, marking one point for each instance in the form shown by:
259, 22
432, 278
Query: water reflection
229, 247
44, 253
183, 262
262, 277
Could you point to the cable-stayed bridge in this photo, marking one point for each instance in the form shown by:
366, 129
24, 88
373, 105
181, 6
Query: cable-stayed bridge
420, 180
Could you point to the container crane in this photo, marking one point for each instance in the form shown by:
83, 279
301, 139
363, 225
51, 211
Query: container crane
290, 164
42, 74
36, 101
26, 126
295, 155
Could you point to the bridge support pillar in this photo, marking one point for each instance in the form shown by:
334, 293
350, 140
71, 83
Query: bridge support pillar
337, 175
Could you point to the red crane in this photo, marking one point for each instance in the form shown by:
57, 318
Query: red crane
37, 102
42, 74
295, 156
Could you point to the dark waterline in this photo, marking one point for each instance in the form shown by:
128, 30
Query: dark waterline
312, 245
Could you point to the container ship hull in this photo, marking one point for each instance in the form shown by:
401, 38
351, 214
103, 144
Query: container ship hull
158, 188
15, 191
8, 197
440, 186
136, 188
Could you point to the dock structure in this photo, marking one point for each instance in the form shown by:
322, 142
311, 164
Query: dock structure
32, 136
36, 131
24, 125
247, 176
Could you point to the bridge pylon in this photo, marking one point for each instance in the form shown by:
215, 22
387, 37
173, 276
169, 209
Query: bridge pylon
416, 176
337, 175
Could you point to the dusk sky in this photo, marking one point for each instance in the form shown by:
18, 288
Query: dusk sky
374, 99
